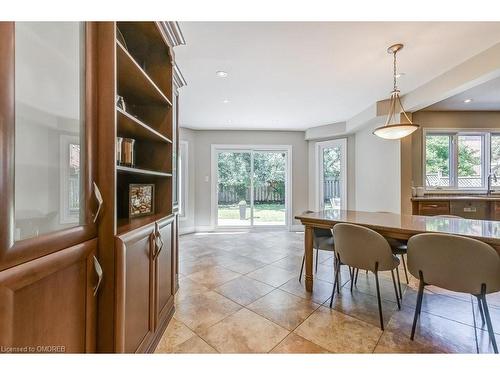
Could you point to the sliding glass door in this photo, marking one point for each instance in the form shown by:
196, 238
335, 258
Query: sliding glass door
252, 187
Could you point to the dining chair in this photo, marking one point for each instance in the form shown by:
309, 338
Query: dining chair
322, 240
455, 263
363, 248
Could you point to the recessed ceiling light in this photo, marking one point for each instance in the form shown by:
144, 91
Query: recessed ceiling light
225, 101
221, 74
467, 100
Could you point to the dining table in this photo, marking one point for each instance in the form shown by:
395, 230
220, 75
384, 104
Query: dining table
391, 225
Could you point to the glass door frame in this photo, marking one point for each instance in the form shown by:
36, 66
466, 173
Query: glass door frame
13, 252
320, 146
216, 149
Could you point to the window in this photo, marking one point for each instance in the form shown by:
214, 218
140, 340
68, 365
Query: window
460, 160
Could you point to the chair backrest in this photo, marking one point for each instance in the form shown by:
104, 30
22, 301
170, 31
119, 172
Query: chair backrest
362, 247
456, 263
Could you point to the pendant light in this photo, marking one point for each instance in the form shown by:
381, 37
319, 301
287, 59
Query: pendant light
393, 129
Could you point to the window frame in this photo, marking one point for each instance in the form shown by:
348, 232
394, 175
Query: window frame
183, 177
454, 134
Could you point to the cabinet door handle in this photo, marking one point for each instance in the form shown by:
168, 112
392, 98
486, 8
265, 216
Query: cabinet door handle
98, 271
159, 245
99, 199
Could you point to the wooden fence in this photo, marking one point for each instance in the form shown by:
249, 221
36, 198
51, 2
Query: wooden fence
265, 194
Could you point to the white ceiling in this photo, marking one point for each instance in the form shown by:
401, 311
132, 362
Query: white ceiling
485, 97
297, 75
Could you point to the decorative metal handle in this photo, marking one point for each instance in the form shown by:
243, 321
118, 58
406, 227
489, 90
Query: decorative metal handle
433, 205
98, 271
99, 199
157, 238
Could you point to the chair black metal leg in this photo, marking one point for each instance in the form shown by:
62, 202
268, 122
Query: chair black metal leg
356, 278
378, 298
335, 282
399, 284
488, 319
302, 268
418, 308
404, 267
317, 257
481, 312
352, 277
395, 290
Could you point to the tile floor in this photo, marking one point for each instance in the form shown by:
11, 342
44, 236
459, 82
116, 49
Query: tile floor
239, 293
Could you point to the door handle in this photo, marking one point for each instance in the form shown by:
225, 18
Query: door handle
98, 271
158, 241
99, 199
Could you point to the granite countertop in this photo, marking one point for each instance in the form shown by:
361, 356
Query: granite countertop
457, 197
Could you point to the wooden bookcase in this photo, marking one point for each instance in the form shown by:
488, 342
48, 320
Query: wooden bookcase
144, 80
138, 255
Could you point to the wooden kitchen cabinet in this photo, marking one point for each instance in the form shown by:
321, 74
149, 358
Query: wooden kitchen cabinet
432, 208
48, 304
164, 271
135, 290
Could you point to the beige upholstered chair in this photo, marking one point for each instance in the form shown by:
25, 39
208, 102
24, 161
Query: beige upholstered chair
363, 248
322, 240
455, 263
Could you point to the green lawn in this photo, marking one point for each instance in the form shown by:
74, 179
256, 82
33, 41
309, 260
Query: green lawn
263, 213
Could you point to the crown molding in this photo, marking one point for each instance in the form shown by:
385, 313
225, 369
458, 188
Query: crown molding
178, 78
173, 33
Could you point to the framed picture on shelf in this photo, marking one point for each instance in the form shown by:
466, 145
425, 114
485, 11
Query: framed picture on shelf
141, 200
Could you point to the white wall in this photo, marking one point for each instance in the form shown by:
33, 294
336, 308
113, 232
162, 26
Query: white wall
200, 142
186, 223
378, 172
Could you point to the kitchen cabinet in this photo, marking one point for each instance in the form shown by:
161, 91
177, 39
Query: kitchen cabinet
135, 290
479, 207
49, 304
145, 281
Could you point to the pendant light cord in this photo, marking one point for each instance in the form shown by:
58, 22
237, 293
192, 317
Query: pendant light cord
395, 71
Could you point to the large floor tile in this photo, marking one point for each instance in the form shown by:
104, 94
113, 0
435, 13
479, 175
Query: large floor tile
195, 345
272, 275
188, 288
244, 290
392, 342
175, 334
443, 334
283, 308
295, 344
339, 333
204, 310
321, 290
244, 332
212, 277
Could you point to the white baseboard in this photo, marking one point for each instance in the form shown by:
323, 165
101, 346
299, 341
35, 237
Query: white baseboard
186, 230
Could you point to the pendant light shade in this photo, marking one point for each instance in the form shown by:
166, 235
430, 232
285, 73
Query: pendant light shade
395, 129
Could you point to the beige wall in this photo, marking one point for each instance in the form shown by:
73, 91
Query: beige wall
200, 142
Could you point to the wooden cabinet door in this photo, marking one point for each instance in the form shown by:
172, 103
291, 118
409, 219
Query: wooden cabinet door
433, 208
164, 271
48, 304
47, 142
134, 323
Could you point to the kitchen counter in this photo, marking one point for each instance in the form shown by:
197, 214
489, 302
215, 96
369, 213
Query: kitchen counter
457, 197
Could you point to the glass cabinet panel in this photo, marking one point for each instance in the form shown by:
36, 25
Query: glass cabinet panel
49, 126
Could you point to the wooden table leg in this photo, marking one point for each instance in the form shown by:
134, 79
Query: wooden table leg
308, 247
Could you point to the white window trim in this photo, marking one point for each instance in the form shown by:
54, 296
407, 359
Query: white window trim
65, 217
184, 180
485, 157
342, 142
216, 148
